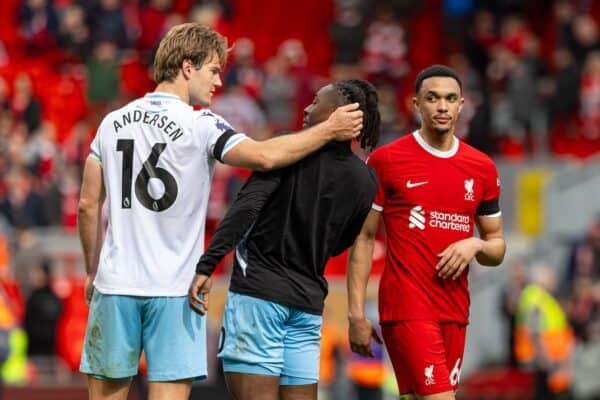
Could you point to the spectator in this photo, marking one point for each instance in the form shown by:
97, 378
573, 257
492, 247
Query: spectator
42, 311
25, 107
279, 94
153, 20
543, 338
103, 73
516, 282
38, 24
73, 33
385, 50
348, 33
106, 21
564, 101
241, 110
22, 205
244, 68
4, 99
586, 37
590, 96
28, 255
583, 308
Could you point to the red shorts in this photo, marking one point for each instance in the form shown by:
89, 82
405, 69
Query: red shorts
426, 355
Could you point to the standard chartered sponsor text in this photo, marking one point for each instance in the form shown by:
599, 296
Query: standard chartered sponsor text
450, 221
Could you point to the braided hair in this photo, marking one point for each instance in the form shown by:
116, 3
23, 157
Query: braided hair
364, 93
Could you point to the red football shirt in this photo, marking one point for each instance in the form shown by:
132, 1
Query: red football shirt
428, 199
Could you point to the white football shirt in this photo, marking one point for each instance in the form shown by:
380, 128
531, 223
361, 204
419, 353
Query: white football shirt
158, 156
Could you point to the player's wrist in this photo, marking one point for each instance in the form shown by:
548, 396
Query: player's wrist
326, 129
354, 317
479, 245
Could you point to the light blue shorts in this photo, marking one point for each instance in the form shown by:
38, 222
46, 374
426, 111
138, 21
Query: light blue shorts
267, 338
172, 336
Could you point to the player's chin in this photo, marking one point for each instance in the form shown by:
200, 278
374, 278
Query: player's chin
441, 129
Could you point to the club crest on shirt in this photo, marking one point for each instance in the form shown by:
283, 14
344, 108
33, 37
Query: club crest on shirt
222, 125
469, 195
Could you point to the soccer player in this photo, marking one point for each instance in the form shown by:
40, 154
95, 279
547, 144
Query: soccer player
432, 189
153, 160
285, 225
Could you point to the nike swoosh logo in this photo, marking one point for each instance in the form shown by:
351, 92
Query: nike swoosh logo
410, 184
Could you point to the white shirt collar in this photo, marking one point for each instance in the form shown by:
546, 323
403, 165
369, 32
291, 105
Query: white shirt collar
432, 150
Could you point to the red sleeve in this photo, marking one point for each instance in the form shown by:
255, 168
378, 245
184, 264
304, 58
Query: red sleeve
377, 162
490, 203
492, 183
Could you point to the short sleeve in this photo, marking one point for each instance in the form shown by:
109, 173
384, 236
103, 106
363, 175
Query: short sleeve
490, 203
220, 135
492, 184
376, 161
96, 145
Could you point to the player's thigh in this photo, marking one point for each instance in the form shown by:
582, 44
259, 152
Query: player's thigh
174, 339
302, 349
252, 335
418, 356
454, 341
112, 344
298, 392
243, 386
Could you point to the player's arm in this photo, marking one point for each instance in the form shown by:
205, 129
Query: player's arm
345, 123
239, 219
493, 246
89, 219
360, 260
488, 249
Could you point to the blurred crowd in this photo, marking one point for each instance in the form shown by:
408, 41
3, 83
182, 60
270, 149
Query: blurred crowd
563, 322
530, 72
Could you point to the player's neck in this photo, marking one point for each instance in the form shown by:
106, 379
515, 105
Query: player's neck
176, 88
439, 141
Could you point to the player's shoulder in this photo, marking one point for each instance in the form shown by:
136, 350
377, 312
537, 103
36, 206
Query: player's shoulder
107, 121
207, 117
382, 153
476, 155
364, 171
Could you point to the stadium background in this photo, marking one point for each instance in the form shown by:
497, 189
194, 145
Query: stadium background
531, 73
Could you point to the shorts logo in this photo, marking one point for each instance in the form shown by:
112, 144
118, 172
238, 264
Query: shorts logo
429, 375
470, 196
417, 218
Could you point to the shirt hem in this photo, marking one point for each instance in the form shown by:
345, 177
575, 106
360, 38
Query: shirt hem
252, 293
139, 293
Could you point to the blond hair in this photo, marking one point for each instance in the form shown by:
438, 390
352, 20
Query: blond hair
189, 41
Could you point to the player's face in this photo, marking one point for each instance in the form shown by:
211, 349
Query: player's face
439, 102
324, 103
204, 81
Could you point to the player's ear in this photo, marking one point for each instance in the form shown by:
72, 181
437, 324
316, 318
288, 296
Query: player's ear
415, 102
186, 68
461, 104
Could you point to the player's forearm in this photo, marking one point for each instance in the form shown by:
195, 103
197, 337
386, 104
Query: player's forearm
242, 214
492, 252
90, 234
284, 150
358, 271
